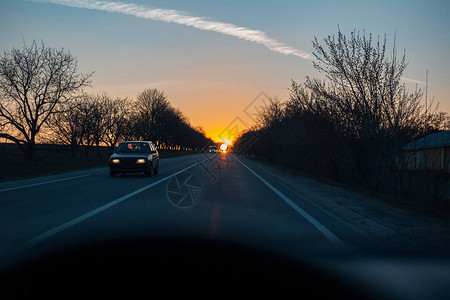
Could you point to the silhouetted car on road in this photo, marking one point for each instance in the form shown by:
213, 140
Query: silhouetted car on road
212, 149
134, 157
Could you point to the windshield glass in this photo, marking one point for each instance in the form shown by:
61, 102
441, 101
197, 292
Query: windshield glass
133, 148
314, 130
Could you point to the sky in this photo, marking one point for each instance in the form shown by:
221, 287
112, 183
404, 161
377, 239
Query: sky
218, 61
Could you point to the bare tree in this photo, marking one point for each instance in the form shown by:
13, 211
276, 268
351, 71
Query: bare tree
152, 117
364, 89
98, 113
70, 124
352, 125
271, 114
33, 81
368, 103
152, 108
116, 113
91, 111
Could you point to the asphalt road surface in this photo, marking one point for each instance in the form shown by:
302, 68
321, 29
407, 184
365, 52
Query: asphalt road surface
213, 196
207, 196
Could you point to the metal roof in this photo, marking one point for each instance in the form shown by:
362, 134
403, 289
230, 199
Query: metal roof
433, 140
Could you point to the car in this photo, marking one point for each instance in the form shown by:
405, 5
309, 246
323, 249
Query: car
134, 157
212, 149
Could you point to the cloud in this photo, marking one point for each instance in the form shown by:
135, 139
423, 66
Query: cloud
179, 17
412, 80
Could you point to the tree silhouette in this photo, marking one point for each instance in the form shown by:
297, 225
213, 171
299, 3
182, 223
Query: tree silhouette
34, 80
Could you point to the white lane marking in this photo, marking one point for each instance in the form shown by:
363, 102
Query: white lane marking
38, 239
327, 233
45, 182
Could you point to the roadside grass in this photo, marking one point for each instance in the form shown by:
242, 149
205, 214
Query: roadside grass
415, 208
56, 159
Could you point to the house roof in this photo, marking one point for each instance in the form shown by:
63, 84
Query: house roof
433, 140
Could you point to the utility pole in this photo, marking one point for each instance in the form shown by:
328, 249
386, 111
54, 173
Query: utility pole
426, 95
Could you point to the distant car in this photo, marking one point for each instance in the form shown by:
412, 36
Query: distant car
212, 149
134, 157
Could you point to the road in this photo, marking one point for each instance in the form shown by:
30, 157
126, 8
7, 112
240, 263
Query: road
231, 198
234, 203
210, 196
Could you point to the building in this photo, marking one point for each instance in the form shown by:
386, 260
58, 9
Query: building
431, 152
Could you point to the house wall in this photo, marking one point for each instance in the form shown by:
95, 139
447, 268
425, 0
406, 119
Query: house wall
432, 159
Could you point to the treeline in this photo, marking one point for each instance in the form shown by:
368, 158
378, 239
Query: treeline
42, 100
352, 125
95, 120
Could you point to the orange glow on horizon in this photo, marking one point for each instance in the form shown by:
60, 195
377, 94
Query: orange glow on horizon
219, 135
221, 114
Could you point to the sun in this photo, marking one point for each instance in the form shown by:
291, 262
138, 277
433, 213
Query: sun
223, 147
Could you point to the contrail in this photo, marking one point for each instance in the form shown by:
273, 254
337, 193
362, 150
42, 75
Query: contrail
179, 17
412, 80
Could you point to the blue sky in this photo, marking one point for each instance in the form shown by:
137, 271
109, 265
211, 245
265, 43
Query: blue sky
211, 76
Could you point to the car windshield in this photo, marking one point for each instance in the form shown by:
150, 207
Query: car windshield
317, 131
133, 148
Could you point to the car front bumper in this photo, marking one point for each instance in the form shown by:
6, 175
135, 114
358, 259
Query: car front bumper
128, 166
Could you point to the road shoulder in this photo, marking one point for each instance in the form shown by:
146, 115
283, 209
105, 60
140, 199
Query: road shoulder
369, 216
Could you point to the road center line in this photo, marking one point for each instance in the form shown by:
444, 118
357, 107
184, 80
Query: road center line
327, 233
38, 239
45, 182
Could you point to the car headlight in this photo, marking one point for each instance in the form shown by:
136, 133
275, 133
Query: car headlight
141, 161
115, 161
